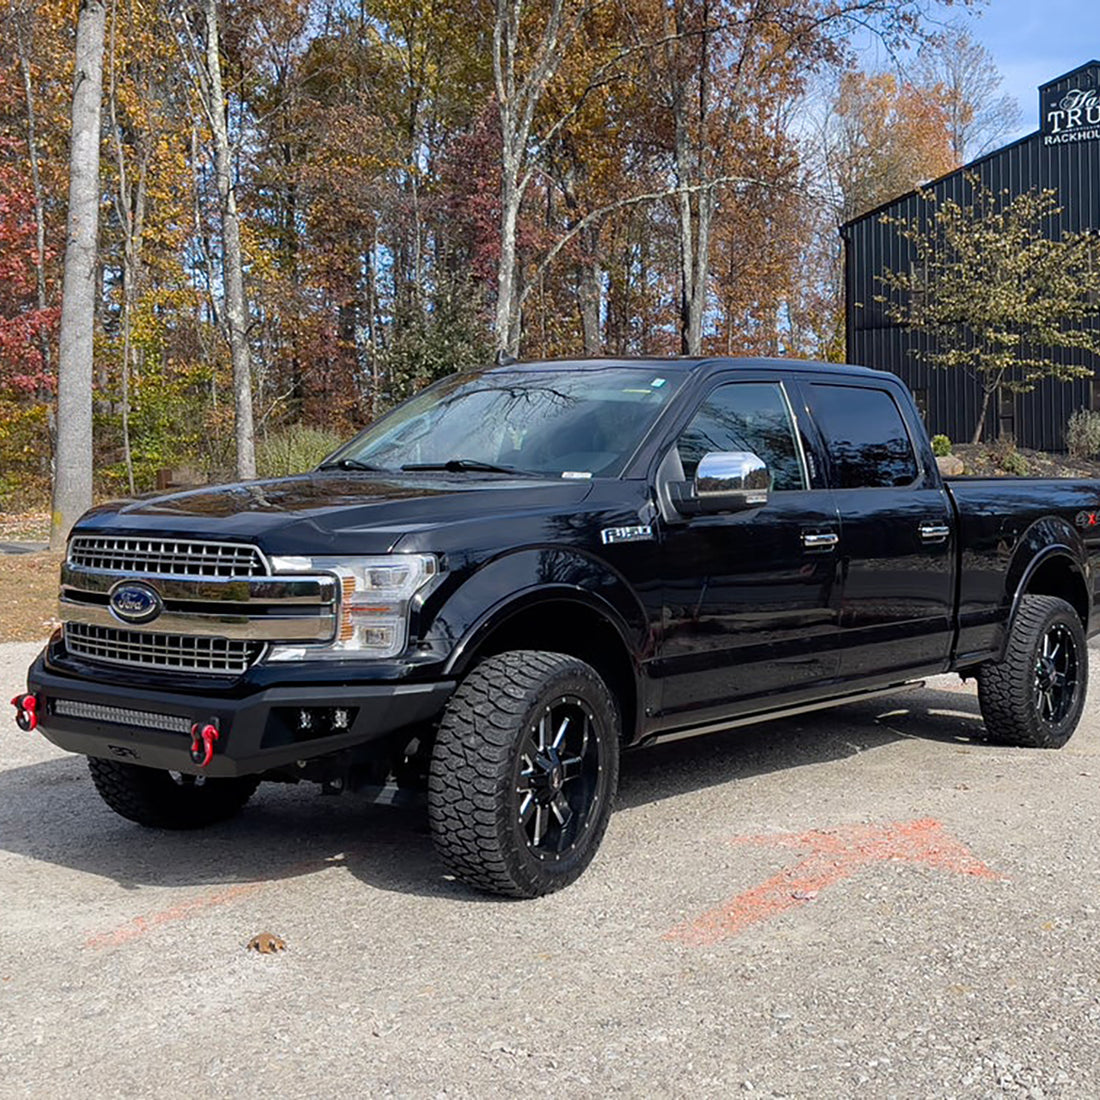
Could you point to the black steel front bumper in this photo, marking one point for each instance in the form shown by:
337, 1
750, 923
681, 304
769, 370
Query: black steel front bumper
258, 731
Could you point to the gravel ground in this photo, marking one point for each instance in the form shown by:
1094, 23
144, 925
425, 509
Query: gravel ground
908, 913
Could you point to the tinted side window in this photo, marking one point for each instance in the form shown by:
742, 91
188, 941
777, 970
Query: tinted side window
745, 416
864, 435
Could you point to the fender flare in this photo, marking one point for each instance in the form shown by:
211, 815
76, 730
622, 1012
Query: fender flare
513, 583
516, 603
1023, 567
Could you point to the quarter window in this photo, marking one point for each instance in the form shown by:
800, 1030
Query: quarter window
865, 437
745, 416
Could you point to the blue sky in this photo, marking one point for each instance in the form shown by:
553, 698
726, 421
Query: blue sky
1033, 42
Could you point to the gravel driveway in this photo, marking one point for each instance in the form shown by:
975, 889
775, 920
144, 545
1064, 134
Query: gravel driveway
866, 902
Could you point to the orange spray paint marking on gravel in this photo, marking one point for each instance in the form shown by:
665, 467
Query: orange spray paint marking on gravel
835, 854
140, 925
132, 929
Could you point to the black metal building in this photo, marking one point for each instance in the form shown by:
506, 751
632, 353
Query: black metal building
1063, 155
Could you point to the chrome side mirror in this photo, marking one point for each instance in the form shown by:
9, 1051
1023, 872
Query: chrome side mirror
727, 481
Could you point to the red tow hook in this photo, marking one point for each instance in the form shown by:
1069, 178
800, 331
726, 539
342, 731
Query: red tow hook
203, 736
26, 711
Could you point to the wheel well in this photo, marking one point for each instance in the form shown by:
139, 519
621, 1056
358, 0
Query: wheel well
1058, 577
564, 627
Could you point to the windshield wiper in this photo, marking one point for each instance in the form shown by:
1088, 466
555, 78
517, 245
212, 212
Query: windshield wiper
351, 464
462, 465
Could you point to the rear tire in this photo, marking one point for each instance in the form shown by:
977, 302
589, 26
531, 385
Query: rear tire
1035, 694
524, 770
161, 800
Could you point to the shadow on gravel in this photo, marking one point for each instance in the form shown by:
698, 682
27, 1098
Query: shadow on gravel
677, 767
50, 812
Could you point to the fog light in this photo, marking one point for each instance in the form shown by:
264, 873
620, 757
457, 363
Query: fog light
305, 720
340, 719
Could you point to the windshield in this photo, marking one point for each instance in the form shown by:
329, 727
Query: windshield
553, 422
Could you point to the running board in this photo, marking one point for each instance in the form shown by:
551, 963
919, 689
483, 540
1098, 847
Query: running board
783, 712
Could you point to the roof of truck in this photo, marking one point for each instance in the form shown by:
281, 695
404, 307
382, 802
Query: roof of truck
689, 364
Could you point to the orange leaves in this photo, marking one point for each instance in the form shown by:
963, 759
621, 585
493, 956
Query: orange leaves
891, 137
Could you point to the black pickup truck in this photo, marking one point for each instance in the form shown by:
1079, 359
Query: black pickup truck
520, 572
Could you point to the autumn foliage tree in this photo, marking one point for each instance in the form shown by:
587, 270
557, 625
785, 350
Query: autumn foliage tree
408, 186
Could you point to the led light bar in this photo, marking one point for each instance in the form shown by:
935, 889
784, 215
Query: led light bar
121, 716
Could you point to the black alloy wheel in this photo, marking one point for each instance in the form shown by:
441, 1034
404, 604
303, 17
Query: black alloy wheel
1056, 674
557, 786
524, 770
1035, 694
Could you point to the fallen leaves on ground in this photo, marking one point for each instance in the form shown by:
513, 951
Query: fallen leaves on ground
28, 596
266, 943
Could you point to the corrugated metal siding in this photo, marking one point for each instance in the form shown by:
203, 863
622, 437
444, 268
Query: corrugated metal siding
951, 398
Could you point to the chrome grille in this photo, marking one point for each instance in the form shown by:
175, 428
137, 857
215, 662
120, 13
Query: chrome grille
167, 557
177, 652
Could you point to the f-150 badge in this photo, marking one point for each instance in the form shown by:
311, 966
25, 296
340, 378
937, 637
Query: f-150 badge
640, 533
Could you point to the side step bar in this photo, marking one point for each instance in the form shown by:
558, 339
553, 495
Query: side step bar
782, 712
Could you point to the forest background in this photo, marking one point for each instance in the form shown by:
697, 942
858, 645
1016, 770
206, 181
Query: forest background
422, 182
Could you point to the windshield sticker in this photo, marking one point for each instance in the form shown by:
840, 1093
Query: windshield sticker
578, 474
657, 383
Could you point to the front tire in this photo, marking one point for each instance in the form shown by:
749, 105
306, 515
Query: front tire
1034, 695
165, 800
523, 773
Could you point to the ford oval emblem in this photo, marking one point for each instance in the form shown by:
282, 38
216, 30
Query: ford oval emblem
134, 602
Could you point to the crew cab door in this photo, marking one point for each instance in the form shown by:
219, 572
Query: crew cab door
897, 530
751, 599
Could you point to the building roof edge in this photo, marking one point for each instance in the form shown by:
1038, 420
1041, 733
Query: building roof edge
1073, 72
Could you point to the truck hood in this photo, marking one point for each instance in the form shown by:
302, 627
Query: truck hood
332, 513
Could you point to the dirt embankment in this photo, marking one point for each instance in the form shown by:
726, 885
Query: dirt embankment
1005, 460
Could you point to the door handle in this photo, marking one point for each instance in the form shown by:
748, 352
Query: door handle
824, 540
934, 532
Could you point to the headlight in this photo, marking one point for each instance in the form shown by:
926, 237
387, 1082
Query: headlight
374, 603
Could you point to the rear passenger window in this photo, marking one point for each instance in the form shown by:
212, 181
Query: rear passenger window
865, 436
745, 416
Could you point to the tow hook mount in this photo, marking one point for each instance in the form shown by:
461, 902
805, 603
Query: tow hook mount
203, 737
26, 711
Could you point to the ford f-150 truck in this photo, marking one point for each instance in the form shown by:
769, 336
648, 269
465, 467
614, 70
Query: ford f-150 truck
523, 570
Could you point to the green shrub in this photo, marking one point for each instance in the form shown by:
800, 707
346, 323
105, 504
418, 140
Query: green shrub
294, 450
941, 446
24, 456
1083, 434
1004, 456
427, 344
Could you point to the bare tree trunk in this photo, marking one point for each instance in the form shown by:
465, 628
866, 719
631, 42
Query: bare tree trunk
686, 243
977, 436
697, 205
704, 219
72, 487
130, 205
690, 314
588, 291
36, 184
519, 88
235, 311
507, 321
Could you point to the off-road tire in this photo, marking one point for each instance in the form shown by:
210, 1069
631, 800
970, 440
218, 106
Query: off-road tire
1016, 709
160, 800
482, 780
